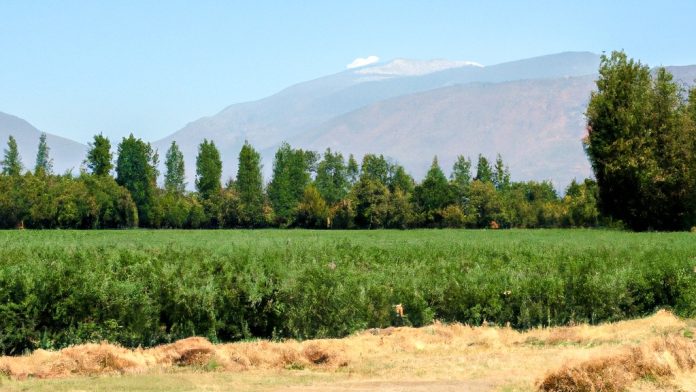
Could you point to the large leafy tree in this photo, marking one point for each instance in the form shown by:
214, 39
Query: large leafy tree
44, 163
291, 175
174, 177
400, 179
99, 156
12, 162
135, 170
640, 146
371, 203
249, 185
434, 192
332, 177
376, 168
208, 170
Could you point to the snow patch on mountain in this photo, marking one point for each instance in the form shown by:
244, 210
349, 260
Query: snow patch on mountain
405, 67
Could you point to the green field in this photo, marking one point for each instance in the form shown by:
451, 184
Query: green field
139, 287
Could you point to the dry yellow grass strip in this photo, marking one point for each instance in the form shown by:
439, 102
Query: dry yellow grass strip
640, 354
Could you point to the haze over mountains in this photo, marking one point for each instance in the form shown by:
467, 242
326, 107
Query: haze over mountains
531, 111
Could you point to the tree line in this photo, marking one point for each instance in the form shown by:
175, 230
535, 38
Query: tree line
306, 189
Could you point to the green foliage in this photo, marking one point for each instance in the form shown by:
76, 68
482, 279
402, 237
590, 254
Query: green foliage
581, 203
375, 168
371, 203
312, 211
434, 192
44, 164
45, 201
99, 156
249, 186
332, 177
641, 144
501, 174
484, 172
291, 175
135, 170
12, 162
352, 170
400, 179
175, 177
208, 170
141, 288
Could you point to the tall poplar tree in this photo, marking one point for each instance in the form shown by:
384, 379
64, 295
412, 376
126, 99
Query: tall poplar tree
484, 172
135, 171
12, 163
174, 177
99, 156
208, 170
352, 170
44, 164
291, 175
434, 192
332, 177
249, 185
501, 174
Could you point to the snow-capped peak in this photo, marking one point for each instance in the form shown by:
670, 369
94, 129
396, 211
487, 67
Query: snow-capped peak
405, 67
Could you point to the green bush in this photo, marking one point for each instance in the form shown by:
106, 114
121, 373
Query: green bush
142, 287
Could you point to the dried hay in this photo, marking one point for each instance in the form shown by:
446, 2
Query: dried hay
658, 360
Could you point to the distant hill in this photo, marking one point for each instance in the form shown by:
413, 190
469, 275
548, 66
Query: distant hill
66, 154
531, 111
307, 109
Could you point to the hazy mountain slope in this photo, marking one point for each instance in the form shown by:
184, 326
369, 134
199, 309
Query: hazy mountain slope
66, 154
305, 106
537, 125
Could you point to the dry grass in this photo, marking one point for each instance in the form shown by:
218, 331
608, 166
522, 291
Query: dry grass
647, 354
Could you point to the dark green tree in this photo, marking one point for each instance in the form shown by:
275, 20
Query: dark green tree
99, 156
461, 172
174, 178
135, 171
44, 163
332, 177
501, 174
376, 168
484, 172
400, 179
208, 170
249, 185
291, 175
352, 170
434, 192
371, 203
640, 147
12, 163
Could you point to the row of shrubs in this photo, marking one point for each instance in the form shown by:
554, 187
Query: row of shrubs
144, 288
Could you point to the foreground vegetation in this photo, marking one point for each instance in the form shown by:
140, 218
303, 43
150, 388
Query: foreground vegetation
147, 287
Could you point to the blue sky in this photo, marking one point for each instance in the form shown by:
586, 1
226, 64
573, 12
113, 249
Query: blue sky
76, 68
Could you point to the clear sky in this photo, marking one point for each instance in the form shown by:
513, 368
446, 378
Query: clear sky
76, 68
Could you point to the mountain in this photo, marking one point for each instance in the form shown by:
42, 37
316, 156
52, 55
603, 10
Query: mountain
306, 108
537, 126
66, 154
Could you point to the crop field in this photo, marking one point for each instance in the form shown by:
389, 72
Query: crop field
143, 288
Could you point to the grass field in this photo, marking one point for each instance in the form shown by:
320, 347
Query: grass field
144, 288
141, 288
